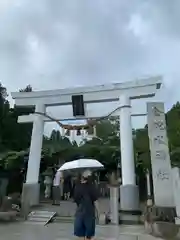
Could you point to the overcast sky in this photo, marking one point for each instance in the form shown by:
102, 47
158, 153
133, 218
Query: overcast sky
54, 44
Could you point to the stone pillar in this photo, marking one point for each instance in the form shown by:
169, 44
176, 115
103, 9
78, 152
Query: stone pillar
32, 178
160, 158
148, 184
63, 132
129, 192
114, 204
72, 135
149, 195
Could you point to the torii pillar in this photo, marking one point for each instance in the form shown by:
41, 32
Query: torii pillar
32, 187
129, 192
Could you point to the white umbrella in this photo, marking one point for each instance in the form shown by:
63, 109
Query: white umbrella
81, 164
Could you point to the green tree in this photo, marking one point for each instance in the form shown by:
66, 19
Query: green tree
173, 126
141, 149
57, 148
28, 88
14, 137
17, 136
4, 111
107, 128
106, 146
173, 131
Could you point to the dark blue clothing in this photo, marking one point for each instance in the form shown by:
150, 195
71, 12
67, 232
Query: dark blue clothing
85, 195
84, 227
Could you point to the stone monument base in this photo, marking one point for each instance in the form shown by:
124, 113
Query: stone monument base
129, 205
165, 230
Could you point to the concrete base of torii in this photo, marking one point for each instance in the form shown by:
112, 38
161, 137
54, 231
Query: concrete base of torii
127, 212
129, 204
30, 197
31, 194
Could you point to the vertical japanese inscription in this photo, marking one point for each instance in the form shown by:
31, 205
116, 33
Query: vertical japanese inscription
162, 175
160, 154
160, 160
159, 124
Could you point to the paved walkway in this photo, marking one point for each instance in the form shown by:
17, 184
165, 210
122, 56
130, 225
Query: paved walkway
57, 231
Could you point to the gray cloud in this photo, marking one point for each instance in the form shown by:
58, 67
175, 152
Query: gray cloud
163, 16
62, 43
79, 41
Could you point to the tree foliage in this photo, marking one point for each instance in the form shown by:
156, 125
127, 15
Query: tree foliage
14, 137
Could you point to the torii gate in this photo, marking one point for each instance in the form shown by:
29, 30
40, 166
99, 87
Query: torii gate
119, 93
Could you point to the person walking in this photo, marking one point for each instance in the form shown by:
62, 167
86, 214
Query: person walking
85, 196
67, 187
57, 188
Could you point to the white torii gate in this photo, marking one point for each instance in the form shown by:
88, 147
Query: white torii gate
119, 93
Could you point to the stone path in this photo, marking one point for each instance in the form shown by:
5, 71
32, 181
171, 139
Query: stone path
57, 231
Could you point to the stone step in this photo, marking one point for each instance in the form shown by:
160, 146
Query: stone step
34, 223
41, 213
43, 217
39, 216
38, 219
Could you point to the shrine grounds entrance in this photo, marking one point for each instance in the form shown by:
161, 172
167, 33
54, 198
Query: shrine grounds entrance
79, 98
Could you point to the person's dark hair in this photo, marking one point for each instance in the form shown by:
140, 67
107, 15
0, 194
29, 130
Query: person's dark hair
88, 179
